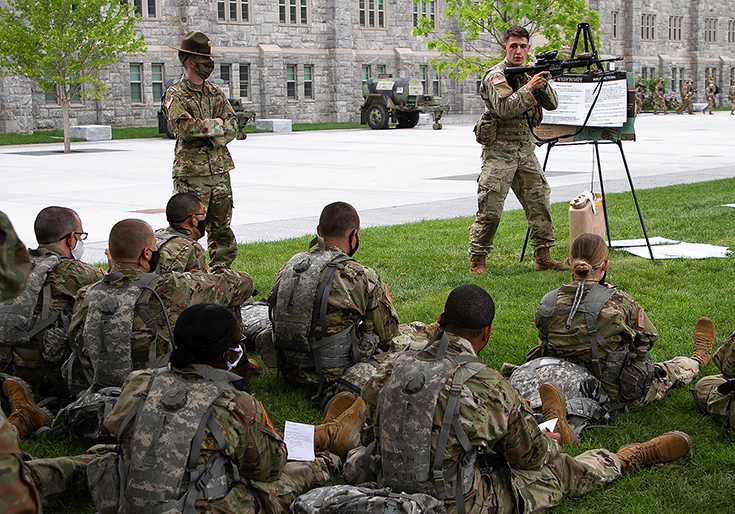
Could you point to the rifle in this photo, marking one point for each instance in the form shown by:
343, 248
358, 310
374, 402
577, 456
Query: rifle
547, 61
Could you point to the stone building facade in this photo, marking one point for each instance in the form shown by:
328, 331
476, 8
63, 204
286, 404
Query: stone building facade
306, 59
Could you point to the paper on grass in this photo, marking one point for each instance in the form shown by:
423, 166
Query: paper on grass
548, 425
658, 240
728, 205
681, 251
299, 439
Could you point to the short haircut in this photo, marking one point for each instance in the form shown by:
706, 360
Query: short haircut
53, 223
517, 31
202, 333
338, 219
128, 238
469, 310
181, 206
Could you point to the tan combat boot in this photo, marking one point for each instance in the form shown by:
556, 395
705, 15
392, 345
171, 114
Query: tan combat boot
477, 264
342, 434
432, 329
664, 448
25, 415
544, 261
337, 405
704, 341
554, 405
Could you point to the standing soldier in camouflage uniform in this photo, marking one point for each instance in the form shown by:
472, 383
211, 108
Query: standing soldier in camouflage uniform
255, 476
204, 122
15, 265
710, 96
37, 354
615, 345
517, 467
659, 103
731, 97
357, 316
178, 244
639, 97
715, 394
508, 159
684, 97
132, 248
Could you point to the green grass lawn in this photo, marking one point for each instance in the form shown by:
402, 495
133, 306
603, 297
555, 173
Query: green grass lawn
423, 262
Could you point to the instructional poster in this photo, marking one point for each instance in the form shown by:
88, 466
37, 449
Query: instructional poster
577, 94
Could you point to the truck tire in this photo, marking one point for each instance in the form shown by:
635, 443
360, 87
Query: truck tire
408, 119
377, 116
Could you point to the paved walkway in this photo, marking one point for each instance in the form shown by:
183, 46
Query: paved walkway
282, 181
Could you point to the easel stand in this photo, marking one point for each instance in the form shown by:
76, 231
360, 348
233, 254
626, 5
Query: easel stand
602, 187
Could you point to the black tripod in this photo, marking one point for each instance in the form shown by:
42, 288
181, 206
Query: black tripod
602, 187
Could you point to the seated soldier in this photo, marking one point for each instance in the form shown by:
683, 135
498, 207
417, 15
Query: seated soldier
245, 455
603, 329
15, 264
328, 310
178, 244
494, 458
123, 322
715, 394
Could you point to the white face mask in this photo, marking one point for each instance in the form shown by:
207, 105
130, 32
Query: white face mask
78, 250
240, 352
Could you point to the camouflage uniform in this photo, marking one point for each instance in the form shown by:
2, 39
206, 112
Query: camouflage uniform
178, 291
202, 161
66, 280
357, 292
659, 104
268, 483
17, 494
639, 97
496, 418
710, 96
731, 97
180, 253
14, 262
622, 323
706, 395
684, 98
510, 162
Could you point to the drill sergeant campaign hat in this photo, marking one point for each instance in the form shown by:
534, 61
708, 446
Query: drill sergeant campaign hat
196, 43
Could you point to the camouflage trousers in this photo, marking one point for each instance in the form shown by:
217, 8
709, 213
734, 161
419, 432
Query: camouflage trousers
215, 193
659, 104
668, 375
686, 105
17, 494
710, 105
276, 497
710, 401
511, 165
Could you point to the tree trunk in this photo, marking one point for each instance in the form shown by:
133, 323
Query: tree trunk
65, 117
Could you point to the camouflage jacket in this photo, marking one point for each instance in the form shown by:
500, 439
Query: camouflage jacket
622, 322
495, 418
14, 262
508, 105
17, 494
66, 280
252, 442
658, 91
201, 141
180, 253
357, 291
178, 291
724, 357
731, 94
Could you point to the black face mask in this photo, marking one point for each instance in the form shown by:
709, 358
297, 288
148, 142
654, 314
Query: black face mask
602, 280
201, 228
357, 245
153, 261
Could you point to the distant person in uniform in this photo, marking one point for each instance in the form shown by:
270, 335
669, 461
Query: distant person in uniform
659, 103
731, 97
710, 95
639, 97
684, 97
204, 122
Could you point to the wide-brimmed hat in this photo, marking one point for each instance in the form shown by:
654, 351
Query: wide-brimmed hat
196, 43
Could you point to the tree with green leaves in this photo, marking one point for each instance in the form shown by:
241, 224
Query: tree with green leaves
63, 45
481, 23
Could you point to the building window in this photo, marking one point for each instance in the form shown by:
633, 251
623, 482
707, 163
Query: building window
648, 27
308, 81
425, 9
244, 81
291, 81
380, 70
677, 78
145, 8
710, 30
615, 21
157, 80
50, 97
423, 74
372, 13
136, 87
224, 73
293, 12
675, 23
731, 31
434, 81
366, 72
648, 73
233, 10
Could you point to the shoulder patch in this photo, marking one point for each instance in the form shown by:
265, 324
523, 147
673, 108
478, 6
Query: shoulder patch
499, 79
169, 99
387, 294
641, 318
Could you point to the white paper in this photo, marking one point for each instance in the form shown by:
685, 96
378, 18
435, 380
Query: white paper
681, 251
299, 439
729, 205
575, 100
548, 425
658, 240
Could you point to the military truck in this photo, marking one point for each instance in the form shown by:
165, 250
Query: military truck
397, 100
243, 117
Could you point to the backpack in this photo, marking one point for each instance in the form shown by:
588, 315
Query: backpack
400, 457
587, 403
352, 380
84, 418
347, 499
298, 300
